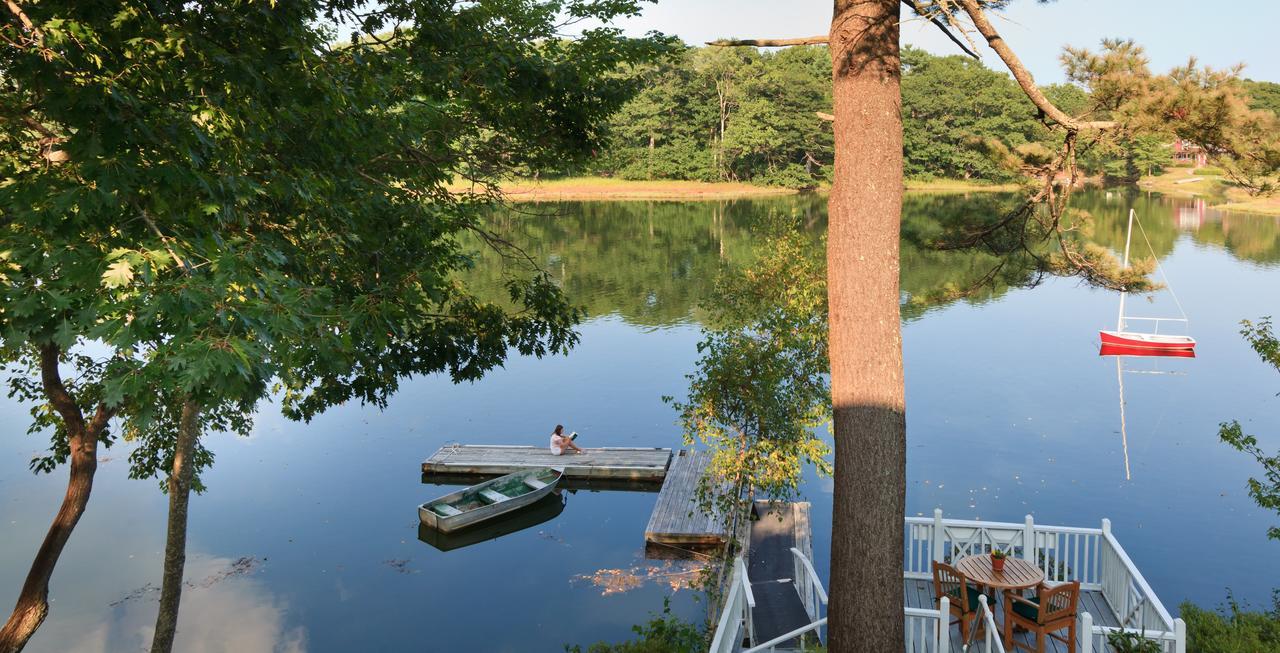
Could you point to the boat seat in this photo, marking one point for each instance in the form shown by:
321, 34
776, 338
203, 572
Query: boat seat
446, 510
493, 496
534, 483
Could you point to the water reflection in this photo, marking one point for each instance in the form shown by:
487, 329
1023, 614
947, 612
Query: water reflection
224, 609
1121, 353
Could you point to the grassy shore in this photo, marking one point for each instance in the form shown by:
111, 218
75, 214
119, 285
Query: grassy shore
1218, 192
603, 188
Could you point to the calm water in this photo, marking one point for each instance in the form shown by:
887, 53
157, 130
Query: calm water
308, 537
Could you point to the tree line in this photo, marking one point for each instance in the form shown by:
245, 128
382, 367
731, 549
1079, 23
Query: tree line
743, 114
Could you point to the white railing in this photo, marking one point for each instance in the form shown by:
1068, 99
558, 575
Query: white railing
799, 632
1124, 321
991, 642
928, 631
1091, 556
809, 587
735, 618
1094, 638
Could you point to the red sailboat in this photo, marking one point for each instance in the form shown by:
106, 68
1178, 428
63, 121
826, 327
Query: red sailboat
1152, 341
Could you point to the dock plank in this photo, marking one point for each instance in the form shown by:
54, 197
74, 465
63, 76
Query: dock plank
677, 518
648, 464
778, 528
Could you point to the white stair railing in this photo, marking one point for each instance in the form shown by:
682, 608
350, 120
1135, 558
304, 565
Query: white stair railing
735, 618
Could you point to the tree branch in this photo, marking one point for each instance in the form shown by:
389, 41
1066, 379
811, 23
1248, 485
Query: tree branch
1021, 74
920, 11
772, 43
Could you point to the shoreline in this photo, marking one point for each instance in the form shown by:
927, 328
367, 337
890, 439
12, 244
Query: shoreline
1182, 182
605, 188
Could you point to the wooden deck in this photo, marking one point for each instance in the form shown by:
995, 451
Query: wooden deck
602, 463
919, 594
777, 528
677, 519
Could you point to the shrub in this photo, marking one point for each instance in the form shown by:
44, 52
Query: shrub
1233, 629
665, 633
792, 175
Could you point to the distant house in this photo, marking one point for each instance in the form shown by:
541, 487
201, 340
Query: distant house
1188, 153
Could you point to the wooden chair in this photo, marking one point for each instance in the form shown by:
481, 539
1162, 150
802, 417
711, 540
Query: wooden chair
953, 584
1052, 610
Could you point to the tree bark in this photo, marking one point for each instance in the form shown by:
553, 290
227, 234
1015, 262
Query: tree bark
867, 392
175, 548
33, 600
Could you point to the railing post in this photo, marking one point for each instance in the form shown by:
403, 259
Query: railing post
1029, 541
1179, 636
944, 624
1106, 526
937, 535
1086, 632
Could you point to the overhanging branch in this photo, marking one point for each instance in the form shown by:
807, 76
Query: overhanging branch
1021, 74
920, 11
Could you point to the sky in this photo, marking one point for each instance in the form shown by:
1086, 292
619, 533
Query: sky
1218, 34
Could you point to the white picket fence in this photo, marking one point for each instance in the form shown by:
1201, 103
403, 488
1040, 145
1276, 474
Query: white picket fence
1092, 556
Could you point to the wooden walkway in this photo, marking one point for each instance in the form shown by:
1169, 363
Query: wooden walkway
771, 566
677, 518
919, 594
492, 460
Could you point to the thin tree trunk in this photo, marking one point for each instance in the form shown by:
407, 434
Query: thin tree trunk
867, 390
33, 601
175, 548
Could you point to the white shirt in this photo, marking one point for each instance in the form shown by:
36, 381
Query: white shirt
557, 443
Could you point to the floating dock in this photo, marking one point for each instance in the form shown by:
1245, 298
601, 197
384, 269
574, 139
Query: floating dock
648, 464
776, 529
677, 518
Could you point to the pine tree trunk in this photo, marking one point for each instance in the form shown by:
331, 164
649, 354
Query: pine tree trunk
175, 548
33, 601
866, 340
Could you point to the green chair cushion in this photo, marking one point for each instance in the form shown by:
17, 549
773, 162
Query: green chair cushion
1027, 611
972, 594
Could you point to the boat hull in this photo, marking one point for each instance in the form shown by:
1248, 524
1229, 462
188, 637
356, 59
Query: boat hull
1121, 350
451, 523
1147, 341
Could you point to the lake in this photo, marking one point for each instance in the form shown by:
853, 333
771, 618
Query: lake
308, 538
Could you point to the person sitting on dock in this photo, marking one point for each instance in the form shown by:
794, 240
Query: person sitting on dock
560, 441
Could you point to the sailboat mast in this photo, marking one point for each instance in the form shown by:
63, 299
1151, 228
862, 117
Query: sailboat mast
1127, 237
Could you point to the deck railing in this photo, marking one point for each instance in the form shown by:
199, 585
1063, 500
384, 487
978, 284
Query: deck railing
991, 642
1092, 556
928, 631
809, 587
735, 618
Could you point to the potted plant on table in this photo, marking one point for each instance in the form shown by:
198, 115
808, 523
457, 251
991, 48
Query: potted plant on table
997, 560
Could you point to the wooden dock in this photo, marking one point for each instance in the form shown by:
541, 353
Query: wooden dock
677, 518
772, 568
648, 464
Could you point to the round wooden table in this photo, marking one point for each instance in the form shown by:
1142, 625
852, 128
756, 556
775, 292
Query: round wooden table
1018, 574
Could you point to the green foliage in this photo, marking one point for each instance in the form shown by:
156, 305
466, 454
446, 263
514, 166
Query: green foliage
1209, 171
1233, 629
760, 389
224, 199
950, 107
665, 633
1265, 491
1263, 95
726, 113
1123, 641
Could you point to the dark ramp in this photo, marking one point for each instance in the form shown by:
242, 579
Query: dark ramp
771, 568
